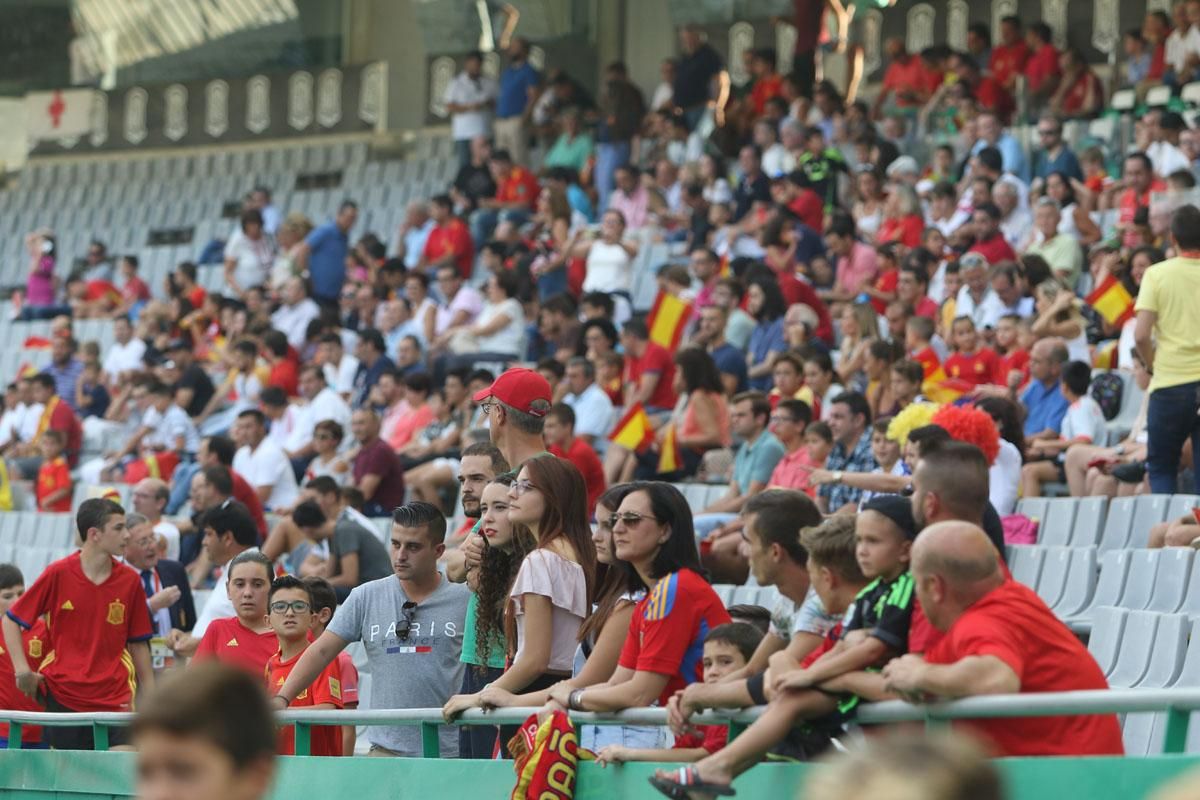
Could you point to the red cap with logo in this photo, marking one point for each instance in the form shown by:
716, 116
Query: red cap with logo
519, 387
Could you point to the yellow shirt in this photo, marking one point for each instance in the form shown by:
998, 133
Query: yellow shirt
1171, 289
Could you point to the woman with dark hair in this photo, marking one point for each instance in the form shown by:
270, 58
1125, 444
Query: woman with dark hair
597, 338
498, 332
551, 591
765, 303
1004, 474
249, 254
1074, 220
655, 541
601, 636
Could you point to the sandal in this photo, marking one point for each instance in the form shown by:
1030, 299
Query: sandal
688, 783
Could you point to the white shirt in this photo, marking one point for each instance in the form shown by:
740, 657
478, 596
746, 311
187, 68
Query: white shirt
609, 268
8, 425
1167, 158
327, 405
1016, 226
124, 357
169, 426
169, 532
281, 429
341, 376
465, 299
466, 90
268, 466
30, 417
292, 321
1084, 418
1176, 50
775, 161
988, 308
252, 259
510, 339
593, 411
219, 605
1004, 476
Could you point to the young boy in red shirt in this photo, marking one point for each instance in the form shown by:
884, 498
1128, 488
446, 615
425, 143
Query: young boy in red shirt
1013, 369
54, 476
971, 363
96, 608
37, 647
918, 340
324, 604
291, 617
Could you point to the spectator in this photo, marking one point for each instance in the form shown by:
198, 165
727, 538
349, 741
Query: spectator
1009, 57
905, 78
249, 254
1166, 339
516, 192
99, 642
622, 109
296, 311
1059, 316
1061, 251
631, 198
323, 253
474, 181
41, 285
246, 639
989, 241
1055, 155
730, 362
1080, 92
1016, 223
789, 419
56, 415
573, 147
432, 611
460, 306
520, 85
214, 717
765, 303
753, 186
168, 591
373, 362
1041, 69
356, 554
149, 499
1139, 183
976, 299
125, 354
649, 370
850, 421
470, 99
609, 261
327, 461
855, 264
1012, 640
498, 332
592, 407
1043, 401
448, 241
559, 431
377, 471
696, 71
53, 485
753, 463
64, 367
992, 135
193, 387
263, 462
1083, 424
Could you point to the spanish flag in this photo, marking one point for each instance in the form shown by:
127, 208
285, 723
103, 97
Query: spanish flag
1105, 356
668, 317
669, 459
939, 388
1112, 301
633, 430
929, 361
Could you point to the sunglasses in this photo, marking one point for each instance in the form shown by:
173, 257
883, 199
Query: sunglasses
297, 607
629, 518
407, 612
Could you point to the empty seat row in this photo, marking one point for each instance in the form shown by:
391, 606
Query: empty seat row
1122, 522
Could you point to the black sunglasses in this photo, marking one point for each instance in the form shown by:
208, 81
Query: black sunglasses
407, 612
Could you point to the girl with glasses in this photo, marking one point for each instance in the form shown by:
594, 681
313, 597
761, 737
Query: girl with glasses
552, 589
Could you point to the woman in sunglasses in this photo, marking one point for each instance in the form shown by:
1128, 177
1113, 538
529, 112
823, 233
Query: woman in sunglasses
655, 542
551, 592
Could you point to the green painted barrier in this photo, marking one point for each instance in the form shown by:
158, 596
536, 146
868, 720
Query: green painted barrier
55, 775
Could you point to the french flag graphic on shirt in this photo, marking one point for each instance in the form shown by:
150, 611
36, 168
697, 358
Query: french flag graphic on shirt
422, 648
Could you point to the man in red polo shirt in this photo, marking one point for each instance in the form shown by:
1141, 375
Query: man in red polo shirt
989, 241
906, 78
96, 608
1000, 638
649, 370
449, 242
559, 433
1009, 56
1140, 183
1041, 70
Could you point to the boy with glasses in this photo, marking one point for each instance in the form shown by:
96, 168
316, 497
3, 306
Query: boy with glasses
291, 616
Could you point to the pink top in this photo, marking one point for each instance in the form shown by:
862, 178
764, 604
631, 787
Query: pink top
546, 573
858, 269
39, 287
792, 472
690, 427
634, 206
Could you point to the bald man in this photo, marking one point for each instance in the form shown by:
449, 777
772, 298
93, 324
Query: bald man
1000, 638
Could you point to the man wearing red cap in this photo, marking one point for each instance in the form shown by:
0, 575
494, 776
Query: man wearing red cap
516, 405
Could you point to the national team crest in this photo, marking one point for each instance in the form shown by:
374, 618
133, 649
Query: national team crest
35, 648
116, 613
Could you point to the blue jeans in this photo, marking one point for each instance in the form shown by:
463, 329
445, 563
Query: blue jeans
609, 156
181, 483
705, 524
1171, 420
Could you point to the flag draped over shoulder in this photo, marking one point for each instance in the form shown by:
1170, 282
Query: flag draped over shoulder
633, 431
1112, 301
939, 388
545, 757
668, 317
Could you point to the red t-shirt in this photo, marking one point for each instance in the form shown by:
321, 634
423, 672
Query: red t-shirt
810, 208
795, 291
230, 642
135, 289
1076, 96
244, 493
656, 359
978, 368
886, 282
1008, 60
37, 647
453, 237
926, 308
1012, 623
90, 668
992, 96
1018, 359
1041, 65
286, 375
349, 672
196, 296
584, 457
711, 737
910, 76
52, 476
325, 740
62, 418
519, 187
1128, 204
764, 89
995, 249
929, 360
666, 634
906, 230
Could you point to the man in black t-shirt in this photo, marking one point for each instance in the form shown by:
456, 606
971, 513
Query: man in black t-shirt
474, 179
192, 387
695, 70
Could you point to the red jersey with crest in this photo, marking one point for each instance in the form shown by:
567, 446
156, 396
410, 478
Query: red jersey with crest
978, 368
324, 740
90, 668
230, 642
37, 647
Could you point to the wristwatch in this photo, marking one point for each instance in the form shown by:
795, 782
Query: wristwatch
574, 699
838, 475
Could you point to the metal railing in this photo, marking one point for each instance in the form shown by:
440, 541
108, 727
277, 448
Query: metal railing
1177, 704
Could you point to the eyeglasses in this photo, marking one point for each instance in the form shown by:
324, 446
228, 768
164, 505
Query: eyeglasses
629, 518
297, 607
521, 487
407, 612
779, 418
487, 407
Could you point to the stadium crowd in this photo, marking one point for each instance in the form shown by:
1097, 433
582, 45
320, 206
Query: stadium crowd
878, 328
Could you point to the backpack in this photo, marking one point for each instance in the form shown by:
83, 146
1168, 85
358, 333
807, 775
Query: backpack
1107, 388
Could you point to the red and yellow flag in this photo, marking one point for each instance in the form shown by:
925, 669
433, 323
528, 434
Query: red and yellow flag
669, 459
668, 317
633, 431
1105, 356
928, 360
545, 758
939, 388
1112, 301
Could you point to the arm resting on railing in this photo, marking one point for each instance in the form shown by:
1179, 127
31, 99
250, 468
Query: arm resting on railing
912, 676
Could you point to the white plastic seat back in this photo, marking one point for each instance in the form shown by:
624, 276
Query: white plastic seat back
1143, 569
1133, 655
1171, 581
1056, 565
1117, 523
1108, 625
1080, 584
1089, 522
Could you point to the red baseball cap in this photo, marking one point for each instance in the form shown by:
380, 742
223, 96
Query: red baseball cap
519, 387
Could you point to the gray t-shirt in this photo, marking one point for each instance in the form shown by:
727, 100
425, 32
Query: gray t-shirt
349, 536
788, 619
421, 671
